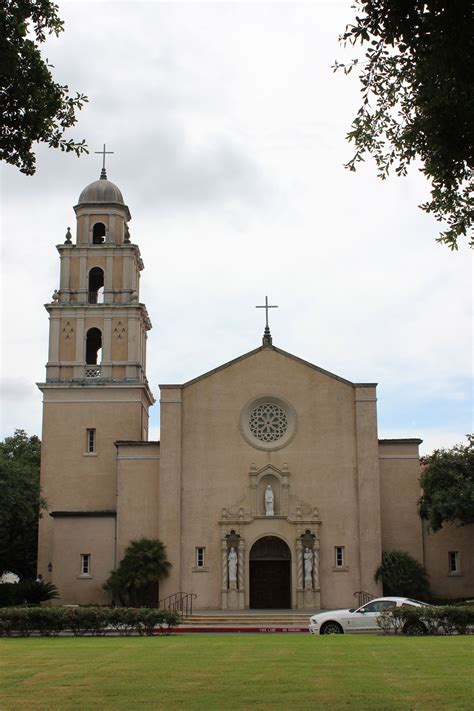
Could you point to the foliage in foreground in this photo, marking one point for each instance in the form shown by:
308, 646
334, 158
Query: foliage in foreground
143, 564
417, 89
445, 619
447, 483
26, 592
34, 107
402, 575
20, 503
48, 621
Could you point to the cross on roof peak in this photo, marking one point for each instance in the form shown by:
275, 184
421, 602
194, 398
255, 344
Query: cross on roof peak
103, 152
267, 338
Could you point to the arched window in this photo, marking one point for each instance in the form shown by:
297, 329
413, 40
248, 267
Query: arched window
98, 233
93, 346
96, 285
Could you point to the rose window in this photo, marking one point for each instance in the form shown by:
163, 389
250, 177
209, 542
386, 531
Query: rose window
268, 422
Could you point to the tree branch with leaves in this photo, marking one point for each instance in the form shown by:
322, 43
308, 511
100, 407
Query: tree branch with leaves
34, 108
417, 84
447, 483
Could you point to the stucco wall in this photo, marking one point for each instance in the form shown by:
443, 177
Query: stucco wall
399, 493
206, 467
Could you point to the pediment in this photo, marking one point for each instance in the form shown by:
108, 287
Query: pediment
284, 354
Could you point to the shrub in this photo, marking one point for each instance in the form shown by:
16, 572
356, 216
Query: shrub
429, 619
86, 620
23, 621
124, 620
402, 575
143, 565
456, 618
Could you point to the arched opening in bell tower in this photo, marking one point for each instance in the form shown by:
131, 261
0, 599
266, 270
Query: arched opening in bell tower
270, 574
96, 285
93, 346
98, 233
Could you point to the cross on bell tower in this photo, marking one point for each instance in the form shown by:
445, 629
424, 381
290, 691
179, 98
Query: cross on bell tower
267, 338
103, 153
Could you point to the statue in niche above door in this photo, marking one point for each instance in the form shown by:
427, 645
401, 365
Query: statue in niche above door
269, 501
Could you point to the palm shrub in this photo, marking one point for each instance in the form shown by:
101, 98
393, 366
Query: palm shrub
400, 574
26, 592
143, 564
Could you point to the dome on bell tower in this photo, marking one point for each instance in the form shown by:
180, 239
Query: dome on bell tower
101, 191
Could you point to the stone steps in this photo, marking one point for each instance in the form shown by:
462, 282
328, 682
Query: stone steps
253, 619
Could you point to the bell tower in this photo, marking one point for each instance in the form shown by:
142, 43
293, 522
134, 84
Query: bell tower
95, 393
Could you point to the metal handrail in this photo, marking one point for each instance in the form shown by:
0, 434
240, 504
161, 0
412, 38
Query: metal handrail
179, 602
363, 596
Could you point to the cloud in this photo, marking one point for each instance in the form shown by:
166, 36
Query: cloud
21, 406
228, 128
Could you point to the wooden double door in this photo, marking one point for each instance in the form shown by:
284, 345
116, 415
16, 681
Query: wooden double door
270, 574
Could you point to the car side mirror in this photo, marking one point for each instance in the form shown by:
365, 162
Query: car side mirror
352, 609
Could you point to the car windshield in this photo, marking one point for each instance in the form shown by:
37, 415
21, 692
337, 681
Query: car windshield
418, 602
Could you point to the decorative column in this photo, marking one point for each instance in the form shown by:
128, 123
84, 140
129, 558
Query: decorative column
241, 577
284, 491
224, 573
80, 348
106, 370
253, 489
108, 279
316, 566
83, 285
299, 563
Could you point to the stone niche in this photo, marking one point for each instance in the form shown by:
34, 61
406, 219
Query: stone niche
269, 480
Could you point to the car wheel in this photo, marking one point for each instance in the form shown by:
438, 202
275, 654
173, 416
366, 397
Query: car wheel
331, 628
415, 629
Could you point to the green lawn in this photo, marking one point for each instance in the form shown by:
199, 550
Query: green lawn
275, 671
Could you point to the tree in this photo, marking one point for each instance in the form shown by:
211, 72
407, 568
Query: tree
402, 575
447, 483
417, 88
143, 565
33, 106
20, 503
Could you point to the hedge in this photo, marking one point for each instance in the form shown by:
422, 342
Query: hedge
429, 619
47, 621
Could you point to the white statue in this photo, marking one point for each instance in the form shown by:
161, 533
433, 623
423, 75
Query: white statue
308, 564
232, 561
269, 500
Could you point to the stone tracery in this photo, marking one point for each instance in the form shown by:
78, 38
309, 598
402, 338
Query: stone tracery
268, 422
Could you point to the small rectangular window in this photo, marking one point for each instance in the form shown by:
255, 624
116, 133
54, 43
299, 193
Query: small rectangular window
90, 442
85, 564
200, 557
339, 556
453, 562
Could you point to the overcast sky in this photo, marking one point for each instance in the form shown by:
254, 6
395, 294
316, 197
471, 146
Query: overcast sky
228, 126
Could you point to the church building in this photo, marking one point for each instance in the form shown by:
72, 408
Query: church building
269, 486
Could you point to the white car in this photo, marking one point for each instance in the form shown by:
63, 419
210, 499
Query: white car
362, 619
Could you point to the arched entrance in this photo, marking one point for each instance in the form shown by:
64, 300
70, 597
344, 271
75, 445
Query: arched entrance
270, 574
